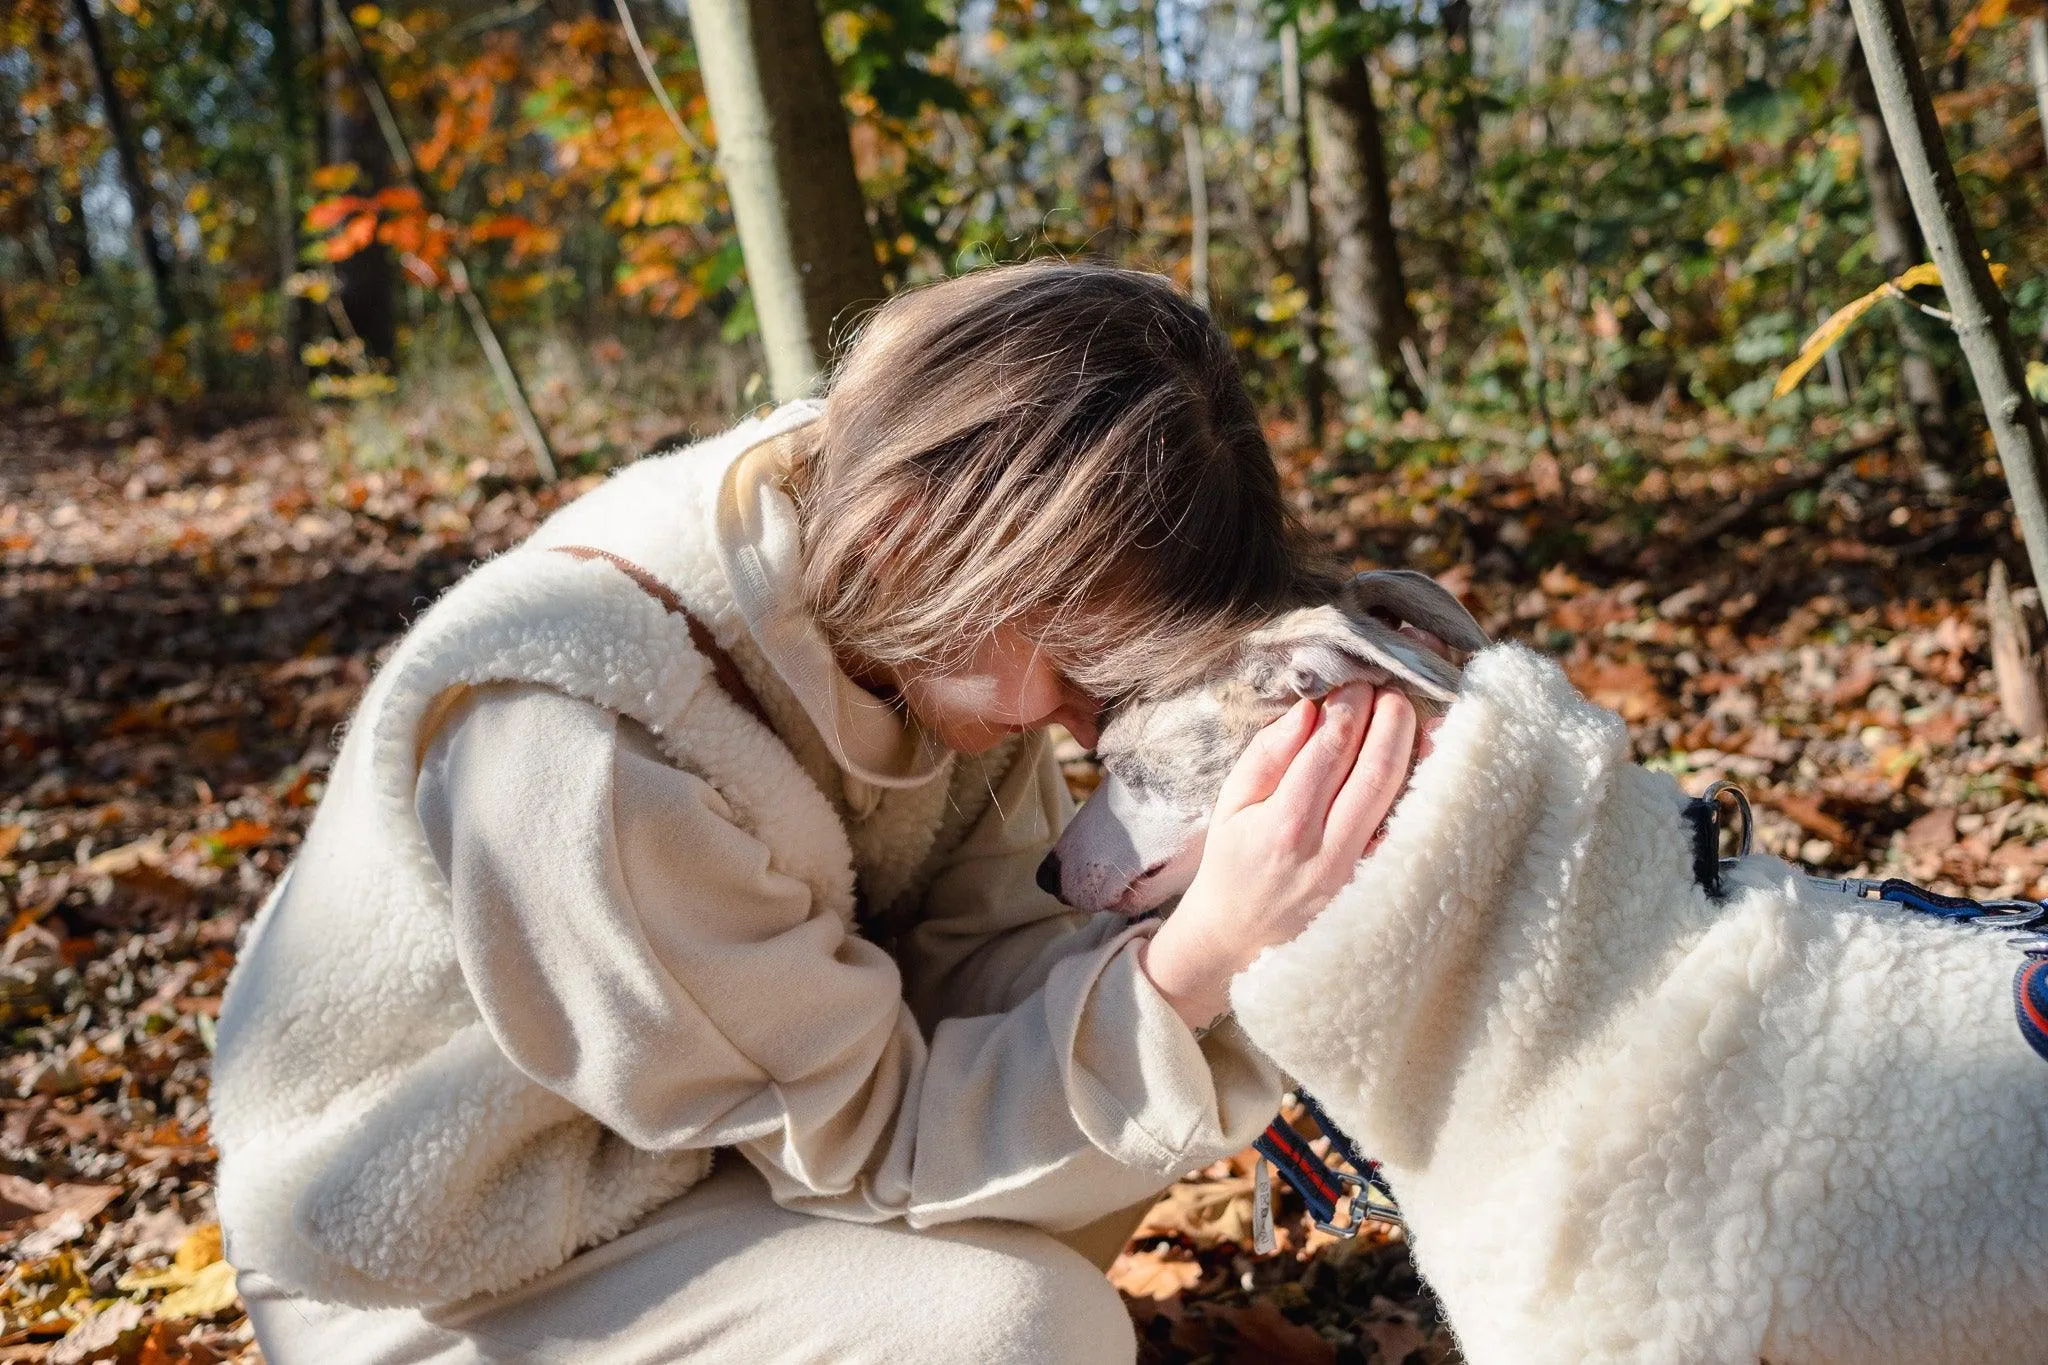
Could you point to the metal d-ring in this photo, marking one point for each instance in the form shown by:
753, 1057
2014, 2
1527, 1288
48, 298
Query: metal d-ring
1726, 788
1364, 1208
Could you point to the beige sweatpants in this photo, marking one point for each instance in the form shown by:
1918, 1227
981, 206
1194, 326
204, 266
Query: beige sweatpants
723, 1274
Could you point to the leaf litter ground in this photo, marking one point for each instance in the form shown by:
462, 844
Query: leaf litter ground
188, 618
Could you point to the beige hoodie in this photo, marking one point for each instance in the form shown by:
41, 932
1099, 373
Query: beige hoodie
568, 919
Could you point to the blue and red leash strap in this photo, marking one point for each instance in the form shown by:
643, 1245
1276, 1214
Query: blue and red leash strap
1321, 1188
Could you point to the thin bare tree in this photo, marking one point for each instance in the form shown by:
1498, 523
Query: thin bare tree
788, 167
1301, 226
1977, 307
1929, 396
141, 198
1369, 310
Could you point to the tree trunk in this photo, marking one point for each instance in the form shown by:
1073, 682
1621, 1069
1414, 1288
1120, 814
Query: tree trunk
1462, 158
64, 209
141, 202
2013, 665
2037, 66
64, 223
1974, 301
1198, 197
1301, 227
1928, 397
788, 166
384, 119
367, 282
6, 342
294, 316
1368, 293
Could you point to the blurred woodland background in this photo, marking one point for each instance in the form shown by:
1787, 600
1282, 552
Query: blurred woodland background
306, 306
1495, 211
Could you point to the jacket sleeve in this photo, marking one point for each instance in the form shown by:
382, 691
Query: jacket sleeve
635, 951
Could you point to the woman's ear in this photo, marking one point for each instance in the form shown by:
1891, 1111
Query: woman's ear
1314, 651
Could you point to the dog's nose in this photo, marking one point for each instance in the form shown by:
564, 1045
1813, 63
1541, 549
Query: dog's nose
1049, 875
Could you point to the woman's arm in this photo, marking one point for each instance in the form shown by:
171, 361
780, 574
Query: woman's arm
635, 951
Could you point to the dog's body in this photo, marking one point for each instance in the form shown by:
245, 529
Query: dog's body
1628, 1121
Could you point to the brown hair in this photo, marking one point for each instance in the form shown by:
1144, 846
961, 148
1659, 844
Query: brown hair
1069, 448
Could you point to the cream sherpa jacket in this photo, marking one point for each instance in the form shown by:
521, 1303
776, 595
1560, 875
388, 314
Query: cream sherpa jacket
1628, 1123
497, 1014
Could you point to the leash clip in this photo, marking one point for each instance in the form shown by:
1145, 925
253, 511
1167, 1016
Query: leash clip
1362, 1207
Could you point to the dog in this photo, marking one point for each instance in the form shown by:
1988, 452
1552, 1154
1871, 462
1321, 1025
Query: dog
1137, 841
1630, 1114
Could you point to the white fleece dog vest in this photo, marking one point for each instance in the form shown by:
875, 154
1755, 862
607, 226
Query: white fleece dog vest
377, 1147
1627, 1123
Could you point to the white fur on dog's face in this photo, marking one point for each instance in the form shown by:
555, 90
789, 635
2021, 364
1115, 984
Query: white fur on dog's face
1138, 840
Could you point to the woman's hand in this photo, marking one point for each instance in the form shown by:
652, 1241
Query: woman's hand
1294, 817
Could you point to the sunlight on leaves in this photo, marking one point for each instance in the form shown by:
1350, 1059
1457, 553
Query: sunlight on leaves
1713, 13
1842, 319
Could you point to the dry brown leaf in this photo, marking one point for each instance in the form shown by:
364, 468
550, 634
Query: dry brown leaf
1204, 1211
1806, 813
1265, 1335
1396, 1336
1155, 1274
1933, 834
1628, 688
21, 1199
106, 1335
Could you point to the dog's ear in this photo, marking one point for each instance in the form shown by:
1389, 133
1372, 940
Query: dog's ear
1418, 600
1316, 650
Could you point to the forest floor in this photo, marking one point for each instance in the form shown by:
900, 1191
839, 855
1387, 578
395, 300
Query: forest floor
186, 618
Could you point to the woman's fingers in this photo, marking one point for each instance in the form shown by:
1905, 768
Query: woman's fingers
1375, 780
1261, 766
1318, 771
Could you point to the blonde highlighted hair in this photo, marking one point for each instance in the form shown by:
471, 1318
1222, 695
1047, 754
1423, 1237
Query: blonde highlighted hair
1064, 448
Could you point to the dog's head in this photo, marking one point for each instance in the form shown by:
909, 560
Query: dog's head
1138, 840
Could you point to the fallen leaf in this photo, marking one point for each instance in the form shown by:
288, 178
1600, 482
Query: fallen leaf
1265, 1335
1806, 813
1155, 1274
200, 1249
1933, 834
211, 1291
1205, 1212
21, 1198
1395, 1334
1628, 688
106, 1335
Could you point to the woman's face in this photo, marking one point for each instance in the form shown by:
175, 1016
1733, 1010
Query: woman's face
1006, 686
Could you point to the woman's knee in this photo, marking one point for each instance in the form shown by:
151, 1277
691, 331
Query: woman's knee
1017, 1296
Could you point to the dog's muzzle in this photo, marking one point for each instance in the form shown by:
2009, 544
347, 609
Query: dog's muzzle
1049, 876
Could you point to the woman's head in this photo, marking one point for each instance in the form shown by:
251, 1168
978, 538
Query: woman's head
1039, 487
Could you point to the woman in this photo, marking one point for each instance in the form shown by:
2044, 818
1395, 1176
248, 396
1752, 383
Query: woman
706, 820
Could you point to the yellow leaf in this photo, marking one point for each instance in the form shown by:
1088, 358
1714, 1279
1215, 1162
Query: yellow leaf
1927, 272
2037, 380
200, 1249
1842, 319
142, 1281
366, 16
1713, 13
212, 1291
